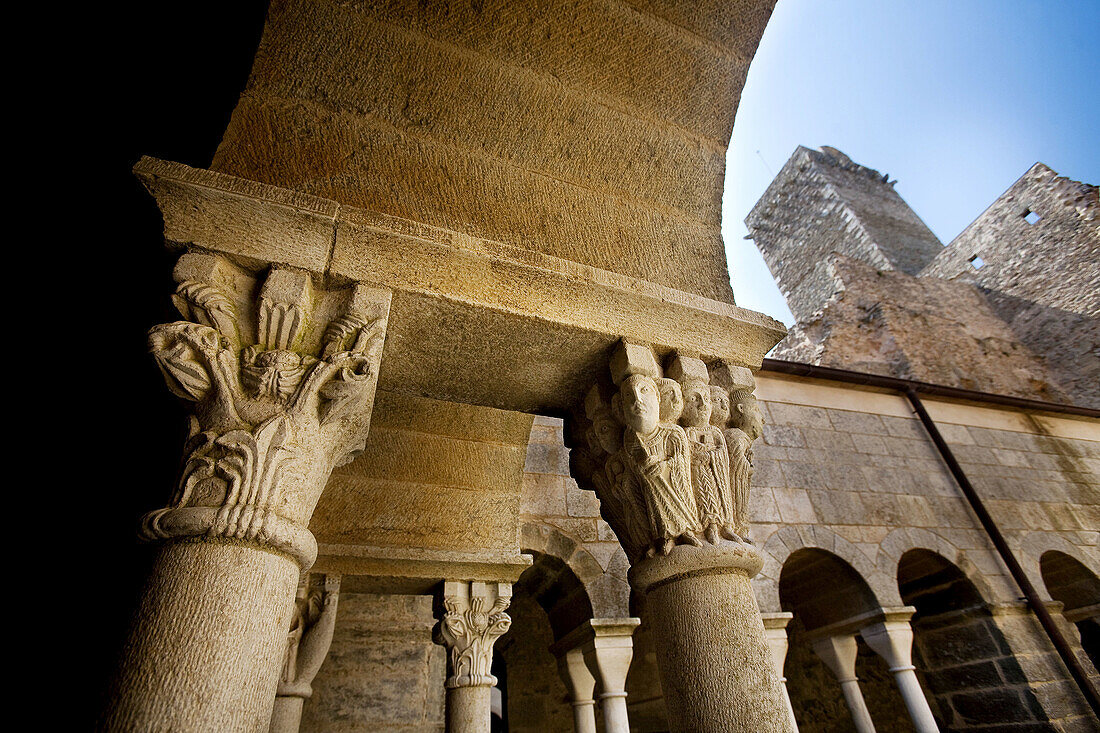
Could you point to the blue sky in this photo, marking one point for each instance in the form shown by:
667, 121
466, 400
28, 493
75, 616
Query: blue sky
953, 98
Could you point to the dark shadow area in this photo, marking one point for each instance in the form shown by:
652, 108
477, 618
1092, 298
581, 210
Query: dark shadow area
158, 79
821, 590
966, 662
1078, 590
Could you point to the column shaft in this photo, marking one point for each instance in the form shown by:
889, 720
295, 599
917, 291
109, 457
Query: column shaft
232, 605
839, 655
853, 696
892, 639
715, 666
469, 709
286, 717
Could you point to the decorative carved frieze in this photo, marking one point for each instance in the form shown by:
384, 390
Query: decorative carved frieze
668, 452
473, 619
310, 635
283, 386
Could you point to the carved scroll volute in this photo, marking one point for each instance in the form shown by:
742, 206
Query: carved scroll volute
655, 447
283, 386
473, 619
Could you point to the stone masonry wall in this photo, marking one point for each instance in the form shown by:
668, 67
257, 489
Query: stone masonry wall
927, 329
853, 473
1041, 278
591, 130
1054, 261
382, 672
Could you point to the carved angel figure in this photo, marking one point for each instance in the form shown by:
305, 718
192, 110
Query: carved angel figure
659, 457
709, 463
746, 425
621, 501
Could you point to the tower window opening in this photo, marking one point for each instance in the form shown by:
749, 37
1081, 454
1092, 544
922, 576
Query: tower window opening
1031, 217
977, 262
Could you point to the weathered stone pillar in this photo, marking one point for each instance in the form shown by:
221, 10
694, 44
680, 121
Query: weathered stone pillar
308, 643
775, 628
581, 685
839, 655
892, 639
473, 619
283, 375
670, 455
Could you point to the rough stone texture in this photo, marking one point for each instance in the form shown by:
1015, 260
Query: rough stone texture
852, 473
1043, 279
551, 126
537, 699
865, 280
1054, 262
383, 672
434, 475
232, 604
711, 653
821, 202
930, 330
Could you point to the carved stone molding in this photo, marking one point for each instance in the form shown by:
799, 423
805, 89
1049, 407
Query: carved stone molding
283, 376
473, 619
668, 452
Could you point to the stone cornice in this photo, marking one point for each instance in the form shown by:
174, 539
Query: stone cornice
447, 284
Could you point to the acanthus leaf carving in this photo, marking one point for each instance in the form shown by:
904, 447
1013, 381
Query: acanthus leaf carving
472, 621
268, 422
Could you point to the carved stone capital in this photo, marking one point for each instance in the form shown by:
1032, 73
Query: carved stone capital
473, 619
668, 451
282, 375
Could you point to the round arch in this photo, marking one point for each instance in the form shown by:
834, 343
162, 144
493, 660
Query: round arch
608, 595
1034, 545
790, 539
906, 539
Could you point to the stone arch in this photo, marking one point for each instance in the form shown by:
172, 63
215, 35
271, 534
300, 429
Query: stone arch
1069, 581
905, 539
608, 594
1033, 545
789, 539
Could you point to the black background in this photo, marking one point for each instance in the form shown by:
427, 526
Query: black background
157, 79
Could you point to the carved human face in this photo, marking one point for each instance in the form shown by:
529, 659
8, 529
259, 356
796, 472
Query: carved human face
641, 403
609, 433
720, 414
752, 419
672, 399
697, 405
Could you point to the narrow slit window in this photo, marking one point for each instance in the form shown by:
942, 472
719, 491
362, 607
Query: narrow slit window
977, 262
1031, 217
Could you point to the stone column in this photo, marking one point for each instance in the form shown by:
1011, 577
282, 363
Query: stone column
839, 655
581, 685
669, 454
473, 619
282, 385
308, 643
892, 639
608, 653
775, 628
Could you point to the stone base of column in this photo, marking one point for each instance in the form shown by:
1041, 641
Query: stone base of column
469, 709
231, 606
716, 668
287, 715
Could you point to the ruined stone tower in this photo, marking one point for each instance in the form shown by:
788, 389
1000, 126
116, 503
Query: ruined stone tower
821, 202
